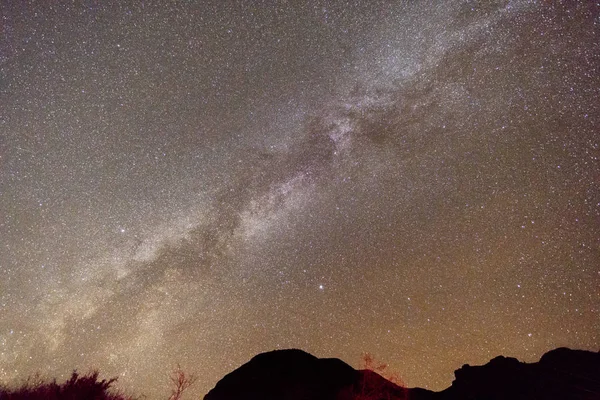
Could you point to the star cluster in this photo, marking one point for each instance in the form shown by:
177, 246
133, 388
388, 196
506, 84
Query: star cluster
198, 182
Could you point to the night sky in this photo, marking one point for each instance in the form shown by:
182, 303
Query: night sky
196, 182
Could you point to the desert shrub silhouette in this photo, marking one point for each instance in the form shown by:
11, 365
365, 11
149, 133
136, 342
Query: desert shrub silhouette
376, 382
77, 387
180, 382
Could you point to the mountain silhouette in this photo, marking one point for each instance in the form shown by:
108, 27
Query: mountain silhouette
285, 374
297, 375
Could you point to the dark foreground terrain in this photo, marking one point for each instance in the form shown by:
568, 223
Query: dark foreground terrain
295, 375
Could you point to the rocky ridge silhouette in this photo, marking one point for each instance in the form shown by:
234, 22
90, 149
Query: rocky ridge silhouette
297, 375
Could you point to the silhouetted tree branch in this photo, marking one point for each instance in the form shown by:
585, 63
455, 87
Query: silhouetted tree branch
180, 382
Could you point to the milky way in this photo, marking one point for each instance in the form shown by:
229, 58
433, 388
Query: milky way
198, 182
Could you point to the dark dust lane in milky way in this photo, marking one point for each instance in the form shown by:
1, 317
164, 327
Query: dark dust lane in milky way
199, 182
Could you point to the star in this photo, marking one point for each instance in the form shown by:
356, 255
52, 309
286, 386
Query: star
186, 177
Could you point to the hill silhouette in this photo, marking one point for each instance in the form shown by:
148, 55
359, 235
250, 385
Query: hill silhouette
296, 375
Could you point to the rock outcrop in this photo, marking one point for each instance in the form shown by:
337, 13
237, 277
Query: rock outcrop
561, 374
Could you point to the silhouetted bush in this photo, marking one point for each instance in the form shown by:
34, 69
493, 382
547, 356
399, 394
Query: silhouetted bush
77, 387
180, 382
376, 382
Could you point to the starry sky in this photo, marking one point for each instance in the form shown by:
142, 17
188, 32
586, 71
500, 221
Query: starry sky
196, 182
